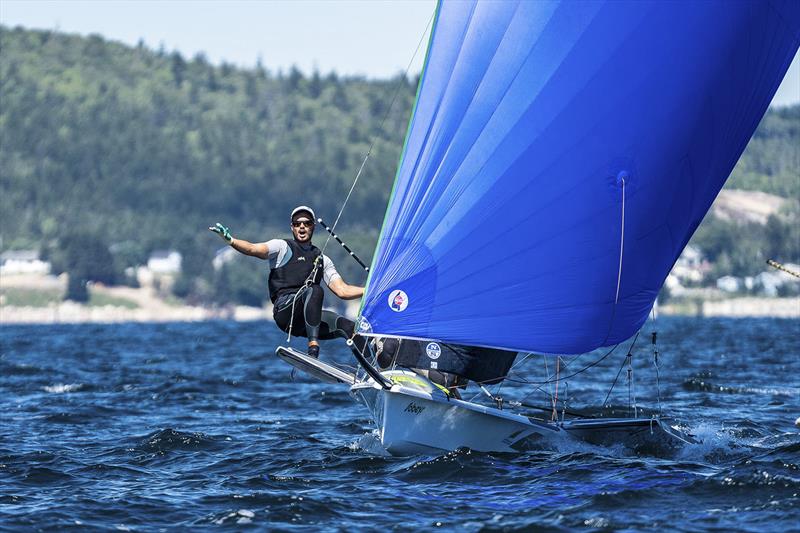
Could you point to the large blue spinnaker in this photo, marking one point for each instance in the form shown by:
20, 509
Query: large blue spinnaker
560, 156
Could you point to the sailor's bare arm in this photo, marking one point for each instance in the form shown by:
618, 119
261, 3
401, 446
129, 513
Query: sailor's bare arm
345, 291
258, 249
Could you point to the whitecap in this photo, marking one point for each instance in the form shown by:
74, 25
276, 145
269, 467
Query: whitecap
61, 388
242, 516
714, 443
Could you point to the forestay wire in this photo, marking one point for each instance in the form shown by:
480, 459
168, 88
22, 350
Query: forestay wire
380, 128
318, 261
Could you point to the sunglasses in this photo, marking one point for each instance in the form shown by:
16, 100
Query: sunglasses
306, 223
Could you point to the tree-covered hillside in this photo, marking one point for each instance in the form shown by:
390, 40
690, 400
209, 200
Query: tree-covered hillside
149, 147
142, 150
771, 162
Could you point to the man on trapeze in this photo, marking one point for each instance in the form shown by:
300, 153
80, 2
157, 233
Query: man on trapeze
296, 269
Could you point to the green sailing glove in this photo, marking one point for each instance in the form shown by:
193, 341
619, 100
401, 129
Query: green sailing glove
222, 231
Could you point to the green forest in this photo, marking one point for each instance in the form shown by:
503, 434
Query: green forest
109, 152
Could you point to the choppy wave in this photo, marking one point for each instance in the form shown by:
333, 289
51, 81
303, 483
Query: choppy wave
146, 427
702, 383
168, 441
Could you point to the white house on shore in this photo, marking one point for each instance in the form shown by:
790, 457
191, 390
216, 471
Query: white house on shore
729, 284
164, 262
161, 267
689, 270
768, 283
22, 262
691, 267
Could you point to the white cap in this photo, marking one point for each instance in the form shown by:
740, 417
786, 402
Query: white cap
303, 208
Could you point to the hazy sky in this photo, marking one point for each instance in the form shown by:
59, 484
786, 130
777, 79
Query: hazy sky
373, 38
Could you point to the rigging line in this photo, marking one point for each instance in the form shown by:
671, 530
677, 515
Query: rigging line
500, 385
520, 361
370, 370
526, 382
775, 264
628, 359
653, 340
584, 369
632, 385
547, 380
615, 380
380, 127
655, 364
518, 379
291, 318
513, 403
306, 284
621, 366
555, 398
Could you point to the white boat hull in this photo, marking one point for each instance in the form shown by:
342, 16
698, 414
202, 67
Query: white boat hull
416, 416
410, 423
412, 420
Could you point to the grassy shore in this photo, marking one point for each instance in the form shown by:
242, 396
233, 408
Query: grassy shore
32, 300
36, 299
31, 297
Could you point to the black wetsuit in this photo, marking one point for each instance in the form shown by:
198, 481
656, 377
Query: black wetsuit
296, 285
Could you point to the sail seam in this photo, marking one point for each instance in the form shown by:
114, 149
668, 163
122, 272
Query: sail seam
621, 243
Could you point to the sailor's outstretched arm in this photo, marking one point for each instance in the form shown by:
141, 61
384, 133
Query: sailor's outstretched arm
260, 249
345, 291
255, 249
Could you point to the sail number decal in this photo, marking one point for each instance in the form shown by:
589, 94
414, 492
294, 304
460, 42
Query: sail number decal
414, 409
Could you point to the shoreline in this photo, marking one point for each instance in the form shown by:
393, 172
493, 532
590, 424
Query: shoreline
115, 304
145, 304
738, 307
74, 313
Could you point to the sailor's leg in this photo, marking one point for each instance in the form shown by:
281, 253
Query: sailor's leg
288, 310
334, 325
312, 311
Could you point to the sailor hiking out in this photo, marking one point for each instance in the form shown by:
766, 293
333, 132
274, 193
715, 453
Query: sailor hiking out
297, 268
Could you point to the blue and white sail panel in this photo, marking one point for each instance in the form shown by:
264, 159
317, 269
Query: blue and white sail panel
534, 122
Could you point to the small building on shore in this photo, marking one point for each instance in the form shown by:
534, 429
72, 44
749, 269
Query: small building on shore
165, 262
23, 262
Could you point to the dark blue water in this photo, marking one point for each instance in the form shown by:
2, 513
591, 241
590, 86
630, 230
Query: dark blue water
145, 427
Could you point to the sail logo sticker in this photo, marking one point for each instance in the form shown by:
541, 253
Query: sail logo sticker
364, 326
398, 301
433, 350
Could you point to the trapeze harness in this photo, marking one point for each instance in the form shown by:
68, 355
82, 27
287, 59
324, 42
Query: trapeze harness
294, 288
